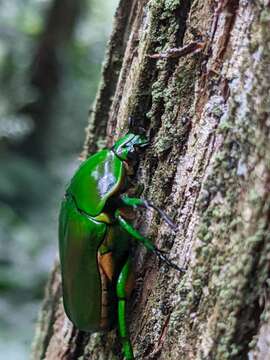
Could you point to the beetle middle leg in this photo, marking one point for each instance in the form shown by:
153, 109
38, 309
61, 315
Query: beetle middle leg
146, 242
134, 202
124, 287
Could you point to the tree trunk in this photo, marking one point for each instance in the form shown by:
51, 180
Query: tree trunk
208, 166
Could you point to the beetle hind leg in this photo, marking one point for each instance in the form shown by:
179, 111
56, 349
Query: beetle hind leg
124, 287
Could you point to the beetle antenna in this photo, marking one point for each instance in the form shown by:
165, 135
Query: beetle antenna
164, 216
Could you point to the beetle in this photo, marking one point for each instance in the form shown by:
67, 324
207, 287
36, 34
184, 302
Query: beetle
95, 239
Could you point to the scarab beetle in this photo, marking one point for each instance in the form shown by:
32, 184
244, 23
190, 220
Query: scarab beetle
94, 239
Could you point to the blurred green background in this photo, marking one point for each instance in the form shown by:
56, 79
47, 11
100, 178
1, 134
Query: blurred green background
50, 59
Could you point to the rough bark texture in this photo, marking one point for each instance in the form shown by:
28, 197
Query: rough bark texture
208, 166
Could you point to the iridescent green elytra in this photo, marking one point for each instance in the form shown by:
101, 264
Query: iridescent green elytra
94, 240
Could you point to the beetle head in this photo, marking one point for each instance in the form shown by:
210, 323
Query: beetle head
128, 146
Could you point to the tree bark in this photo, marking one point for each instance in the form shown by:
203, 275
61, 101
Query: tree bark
208, 166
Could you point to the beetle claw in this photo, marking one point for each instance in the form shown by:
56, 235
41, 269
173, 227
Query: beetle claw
164, 216
161, 256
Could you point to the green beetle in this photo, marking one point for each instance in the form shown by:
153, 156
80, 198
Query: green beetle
94, 239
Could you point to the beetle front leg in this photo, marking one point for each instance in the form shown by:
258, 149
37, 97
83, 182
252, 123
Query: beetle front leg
123, 283
134, 202
146, 242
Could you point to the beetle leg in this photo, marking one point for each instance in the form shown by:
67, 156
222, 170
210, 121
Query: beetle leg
144, 203
146, 242
122, 294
